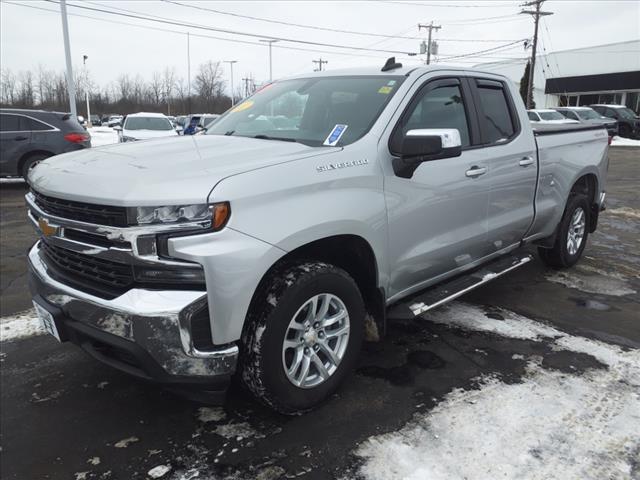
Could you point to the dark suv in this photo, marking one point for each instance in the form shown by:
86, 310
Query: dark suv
29, 136
628, 121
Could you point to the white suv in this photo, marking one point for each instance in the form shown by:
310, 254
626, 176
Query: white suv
144, 126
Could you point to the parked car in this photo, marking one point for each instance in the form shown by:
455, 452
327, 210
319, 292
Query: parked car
589, 116
181, 123
628, 121
548, 116
270, 252
114, 120
95, 120
144, 126
29, 136
206, 120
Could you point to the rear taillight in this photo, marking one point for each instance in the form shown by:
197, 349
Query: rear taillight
76, 137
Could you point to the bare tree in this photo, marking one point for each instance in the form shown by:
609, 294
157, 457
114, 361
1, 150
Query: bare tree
25, 89
168, 85
209, 83
156, 88
7, 87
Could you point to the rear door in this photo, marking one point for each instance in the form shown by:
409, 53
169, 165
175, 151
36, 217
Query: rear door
14, 142
437, 219
511, 160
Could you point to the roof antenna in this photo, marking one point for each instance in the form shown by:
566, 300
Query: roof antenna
391, 64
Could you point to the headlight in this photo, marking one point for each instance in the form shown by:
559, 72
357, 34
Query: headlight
218, 214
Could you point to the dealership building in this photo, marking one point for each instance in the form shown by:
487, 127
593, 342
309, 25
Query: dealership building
583, 76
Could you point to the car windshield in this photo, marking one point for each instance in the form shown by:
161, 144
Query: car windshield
147, 123
331, 111
588, 114
626, 113
551, 116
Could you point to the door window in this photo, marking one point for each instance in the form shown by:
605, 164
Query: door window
9, 123
495, 114
533, 117
32, 125
440, 107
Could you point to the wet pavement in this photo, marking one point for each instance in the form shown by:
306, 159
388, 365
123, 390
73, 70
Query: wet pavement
64, 415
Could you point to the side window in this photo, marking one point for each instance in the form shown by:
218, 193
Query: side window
610, 113
9, 123
33, 125
440, 107
495, 115
533, 117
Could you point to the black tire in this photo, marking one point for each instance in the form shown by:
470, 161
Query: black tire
30, 162
283, 294
559, 256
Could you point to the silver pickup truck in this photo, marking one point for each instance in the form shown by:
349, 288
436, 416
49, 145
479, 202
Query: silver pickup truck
272, 245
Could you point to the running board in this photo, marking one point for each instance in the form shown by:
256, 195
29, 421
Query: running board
452, 289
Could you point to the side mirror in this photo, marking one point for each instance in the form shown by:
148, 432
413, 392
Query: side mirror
424, 145
118, 128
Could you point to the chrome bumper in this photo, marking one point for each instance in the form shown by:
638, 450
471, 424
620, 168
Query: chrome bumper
156, 321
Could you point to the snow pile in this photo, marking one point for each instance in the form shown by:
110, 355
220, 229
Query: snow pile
624, 142
605, 284
551, 425
25, 324
102, 136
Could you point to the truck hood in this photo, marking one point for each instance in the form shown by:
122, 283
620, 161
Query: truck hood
168, 171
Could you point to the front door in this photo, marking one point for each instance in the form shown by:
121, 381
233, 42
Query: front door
14, 142
437, 219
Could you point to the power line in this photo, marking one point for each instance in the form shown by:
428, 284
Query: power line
231, 32
476, 54
198, 35
465, 5
291, 24
536, 14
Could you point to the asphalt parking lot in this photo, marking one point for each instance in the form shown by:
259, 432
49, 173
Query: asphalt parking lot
66, 416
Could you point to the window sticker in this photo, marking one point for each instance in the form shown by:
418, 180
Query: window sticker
243, 106
391, 83
385, 90
335, 135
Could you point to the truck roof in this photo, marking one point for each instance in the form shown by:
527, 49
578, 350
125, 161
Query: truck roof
377, 71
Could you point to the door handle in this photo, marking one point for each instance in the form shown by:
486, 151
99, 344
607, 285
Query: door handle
476, 171
525, 161
20, 138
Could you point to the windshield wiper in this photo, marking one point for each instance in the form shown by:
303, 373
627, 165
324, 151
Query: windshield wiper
282, 139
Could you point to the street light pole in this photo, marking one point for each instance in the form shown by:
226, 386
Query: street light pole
86, 89
270, 42
71, 87
231, 62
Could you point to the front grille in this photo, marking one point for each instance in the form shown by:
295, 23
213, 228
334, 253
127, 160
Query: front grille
100, 277
82, 212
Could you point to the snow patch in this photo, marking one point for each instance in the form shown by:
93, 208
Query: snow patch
234, 430
627, 212
473, 318
209, 414
21, 325
159, 471
551, 425
605, 285
125, 442
94, 461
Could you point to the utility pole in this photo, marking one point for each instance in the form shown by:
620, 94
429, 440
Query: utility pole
536, 14
71, 86
86, 89
188, 74
270, 42
320, 63
429, 27
231, 62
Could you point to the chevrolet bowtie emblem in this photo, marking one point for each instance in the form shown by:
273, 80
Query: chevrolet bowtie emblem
46, 229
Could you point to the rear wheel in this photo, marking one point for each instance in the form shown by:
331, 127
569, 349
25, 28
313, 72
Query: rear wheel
572, 235
31, 162
303, 336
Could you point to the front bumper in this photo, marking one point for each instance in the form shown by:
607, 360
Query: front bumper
143, 332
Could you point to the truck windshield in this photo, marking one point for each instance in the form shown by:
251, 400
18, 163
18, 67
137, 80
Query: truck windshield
588, 114
332, 111
147, 123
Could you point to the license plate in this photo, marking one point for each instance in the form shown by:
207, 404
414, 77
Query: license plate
47, 321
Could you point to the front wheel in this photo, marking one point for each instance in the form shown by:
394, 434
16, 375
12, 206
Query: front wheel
31, 162
572, 235
303, 336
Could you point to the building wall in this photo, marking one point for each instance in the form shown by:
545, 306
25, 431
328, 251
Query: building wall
611, 58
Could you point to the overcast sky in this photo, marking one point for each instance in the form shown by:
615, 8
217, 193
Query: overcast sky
30, 37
